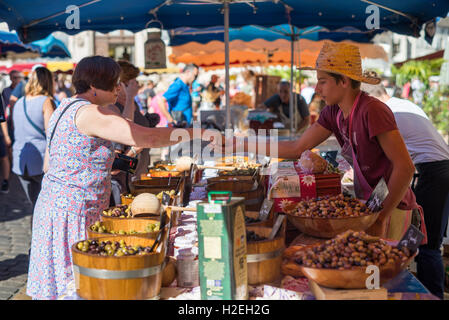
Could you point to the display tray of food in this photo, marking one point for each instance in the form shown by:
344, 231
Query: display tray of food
142, 227
143, 206
342, 262
155, 185
326, 217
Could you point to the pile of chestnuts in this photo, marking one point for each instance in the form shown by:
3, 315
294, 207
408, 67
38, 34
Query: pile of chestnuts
340, 206
351, 249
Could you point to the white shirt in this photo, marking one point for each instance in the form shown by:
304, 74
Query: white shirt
307, 93
423, 141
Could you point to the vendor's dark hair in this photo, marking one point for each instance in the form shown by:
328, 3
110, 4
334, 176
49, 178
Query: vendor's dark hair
338, 77
96, 71
190, 66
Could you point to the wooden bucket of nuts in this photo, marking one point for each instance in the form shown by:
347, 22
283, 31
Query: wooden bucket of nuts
252, 219
264, 257
147, 228
121, 269
124, 212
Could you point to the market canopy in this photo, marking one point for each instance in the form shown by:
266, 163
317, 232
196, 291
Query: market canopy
180, 36
53, 66
10, 42
260, 52
51, 47
36, 19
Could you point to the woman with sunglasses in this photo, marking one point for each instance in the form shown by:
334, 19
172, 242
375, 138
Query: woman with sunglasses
77, 185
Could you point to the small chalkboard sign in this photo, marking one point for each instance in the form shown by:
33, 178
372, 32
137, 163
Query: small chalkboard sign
377, 197
165, 199
265, 209
412, 239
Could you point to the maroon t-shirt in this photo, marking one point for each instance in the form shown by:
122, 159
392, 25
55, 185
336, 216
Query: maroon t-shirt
371, 118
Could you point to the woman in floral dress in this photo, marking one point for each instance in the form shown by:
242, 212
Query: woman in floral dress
76, 186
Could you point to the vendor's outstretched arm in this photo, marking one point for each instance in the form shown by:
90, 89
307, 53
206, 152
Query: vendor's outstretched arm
293, 149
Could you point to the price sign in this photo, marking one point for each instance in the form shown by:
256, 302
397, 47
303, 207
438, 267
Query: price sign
378, 196
411, 239
165, 199
265, 209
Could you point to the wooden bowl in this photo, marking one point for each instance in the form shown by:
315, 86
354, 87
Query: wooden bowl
354, 278
127, 225
330, 227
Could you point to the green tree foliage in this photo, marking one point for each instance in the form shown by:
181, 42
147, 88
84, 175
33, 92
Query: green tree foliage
421, 69
436, 106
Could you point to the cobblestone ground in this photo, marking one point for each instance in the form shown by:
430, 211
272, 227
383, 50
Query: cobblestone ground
15, 240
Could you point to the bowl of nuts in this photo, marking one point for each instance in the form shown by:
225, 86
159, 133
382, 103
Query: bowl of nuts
342, 262
326, 217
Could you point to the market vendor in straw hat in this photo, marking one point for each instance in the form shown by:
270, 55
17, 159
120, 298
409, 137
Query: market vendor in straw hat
367, 133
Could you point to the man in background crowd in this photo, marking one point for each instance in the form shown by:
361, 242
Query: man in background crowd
279, 104
178, 97
430, 155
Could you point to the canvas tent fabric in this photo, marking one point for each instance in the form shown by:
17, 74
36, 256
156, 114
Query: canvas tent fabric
180, 36
36, 19
52, 47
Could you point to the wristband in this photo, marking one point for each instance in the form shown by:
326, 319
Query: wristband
133, 151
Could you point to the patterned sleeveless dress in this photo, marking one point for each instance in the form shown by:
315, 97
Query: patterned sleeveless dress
75, 190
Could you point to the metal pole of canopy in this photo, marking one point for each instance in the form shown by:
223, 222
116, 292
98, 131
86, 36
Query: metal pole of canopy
226, 39
292, 41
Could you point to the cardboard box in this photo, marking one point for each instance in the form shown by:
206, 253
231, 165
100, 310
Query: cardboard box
222, 250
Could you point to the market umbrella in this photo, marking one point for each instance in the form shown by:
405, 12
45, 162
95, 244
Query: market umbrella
37, 18
181, 36
10, 42
260, 52
51, 47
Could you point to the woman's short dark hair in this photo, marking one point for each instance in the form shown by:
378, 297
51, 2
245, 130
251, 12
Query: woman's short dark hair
96, 71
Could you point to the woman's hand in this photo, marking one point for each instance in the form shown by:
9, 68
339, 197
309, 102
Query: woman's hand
131, 89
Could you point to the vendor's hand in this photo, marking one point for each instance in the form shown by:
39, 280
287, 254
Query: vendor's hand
379, 228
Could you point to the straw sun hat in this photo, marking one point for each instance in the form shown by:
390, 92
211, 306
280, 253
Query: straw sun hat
344, 59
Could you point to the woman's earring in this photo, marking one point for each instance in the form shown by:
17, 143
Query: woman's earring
95, 94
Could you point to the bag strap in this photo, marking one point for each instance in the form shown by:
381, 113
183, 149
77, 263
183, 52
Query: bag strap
42, 132
60, 116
